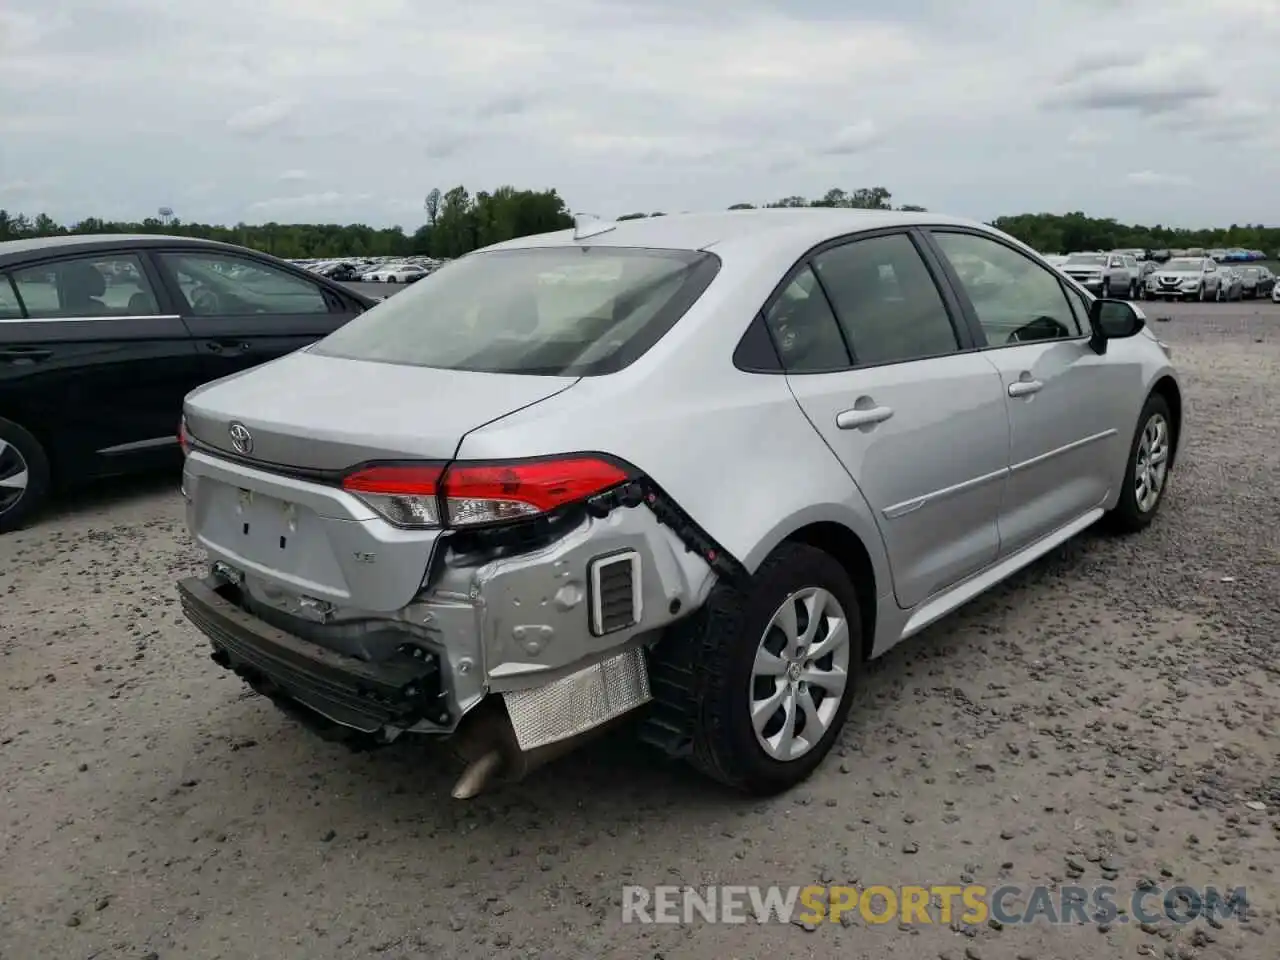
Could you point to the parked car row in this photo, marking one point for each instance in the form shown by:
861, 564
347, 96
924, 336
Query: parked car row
1221, 255
378, 270
1123, 274
1203, 278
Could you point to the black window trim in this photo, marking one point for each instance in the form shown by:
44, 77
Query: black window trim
165, 308
17, 298
916, 233
334, 301
970, 313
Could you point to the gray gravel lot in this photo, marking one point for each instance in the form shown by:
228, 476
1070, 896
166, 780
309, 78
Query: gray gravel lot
1110, 713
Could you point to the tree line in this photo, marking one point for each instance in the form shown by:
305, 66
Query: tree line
457, 222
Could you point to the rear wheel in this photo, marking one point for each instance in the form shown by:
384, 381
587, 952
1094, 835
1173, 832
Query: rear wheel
1146, 477
24, 476
773, 668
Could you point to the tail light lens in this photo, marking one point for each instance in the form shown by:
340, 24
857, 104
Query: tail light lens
408, 496
184, 437
475, 494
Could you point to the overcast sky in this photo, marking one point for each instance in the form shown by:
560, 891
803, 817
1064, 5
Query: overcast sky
343, 110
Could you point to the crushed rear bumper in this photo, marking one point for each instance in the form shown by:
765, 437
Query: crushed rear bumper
369, 698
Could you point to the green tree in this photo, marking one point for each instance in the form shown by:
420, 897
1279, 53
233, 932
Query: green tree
432, 206
458, 222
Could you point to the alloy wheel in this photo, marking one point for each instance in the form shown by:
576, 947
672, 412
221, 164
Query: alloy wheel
1151, 467
800, 673
14, 475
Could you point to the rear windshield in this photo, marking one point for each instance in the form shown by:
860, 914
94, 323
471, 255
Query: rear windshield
1086, 259
553, 311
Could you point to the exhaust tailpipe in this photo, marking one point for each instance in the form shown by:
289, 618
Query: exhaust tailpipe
488, 746
479, 773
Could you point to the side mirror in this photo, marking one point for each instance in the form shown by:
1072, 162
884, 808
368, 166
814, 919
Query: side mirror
1114, 320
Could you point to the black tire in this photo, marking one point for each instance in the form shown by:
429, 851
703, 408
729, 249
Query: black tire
1128, 516
721, 641
15, 515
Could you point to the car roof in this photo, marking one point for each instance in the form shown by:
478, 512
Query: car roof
787, 227
16, 251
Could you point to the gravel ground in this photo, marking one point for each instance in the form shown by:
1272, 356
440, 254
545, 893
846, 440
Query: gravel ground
1109, 714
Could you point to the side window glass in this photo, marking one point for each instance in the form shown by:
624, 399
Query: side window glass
10, 308
1016, 299
886, 300
804, 328
107, 285
221, 285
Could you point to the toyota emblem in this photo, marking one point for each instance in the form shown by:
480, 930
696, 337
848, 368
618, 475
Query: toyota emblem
241, 438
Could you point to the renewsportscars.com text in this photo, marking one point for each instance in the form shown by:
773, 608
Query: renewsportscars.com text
935, 904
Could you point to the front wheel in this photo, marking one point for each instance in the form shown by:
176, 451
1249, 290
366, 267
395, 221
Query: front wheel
24, 476
1146, 477
772, 670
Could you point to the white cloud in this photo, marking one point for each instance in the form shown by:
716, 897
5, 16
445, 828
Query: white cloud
261, 117
640, 104
1150, 178
309, 201
1088, 136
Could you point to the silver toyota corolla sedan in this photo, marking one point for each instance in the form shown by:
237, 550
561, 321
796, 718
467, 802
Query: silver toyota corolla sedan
703, 465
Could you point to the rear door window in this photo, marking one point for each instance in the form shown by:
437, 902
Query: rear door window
552, 311
886, 300
102, 285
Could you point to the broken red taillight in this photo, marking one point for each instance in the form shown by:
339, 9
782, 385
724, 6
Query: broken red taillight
476, 494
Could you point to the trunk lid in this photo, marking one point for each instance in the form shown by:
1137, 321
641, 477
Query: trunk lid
296, 534
328, 413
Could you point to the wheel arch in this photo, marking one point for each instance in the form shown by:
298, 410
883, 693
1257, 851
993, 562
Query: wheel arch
42, 431
847, 548
1167, 388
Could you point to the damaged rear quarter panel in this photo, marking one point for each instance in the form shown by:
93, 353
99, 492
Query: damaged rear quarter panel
534, 608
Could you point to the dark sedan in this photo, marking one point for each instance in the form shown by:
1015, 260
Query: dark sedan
1258, 282
101, 337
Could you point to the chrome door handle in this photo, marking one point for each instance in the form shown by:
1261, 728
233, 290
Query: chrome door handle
1025, 388
852, 419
